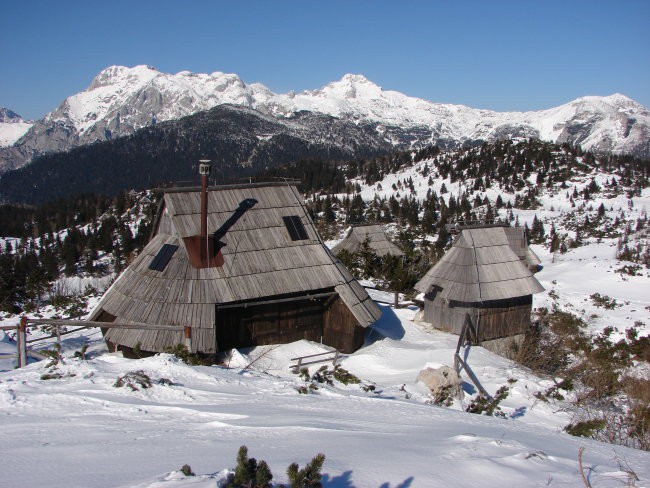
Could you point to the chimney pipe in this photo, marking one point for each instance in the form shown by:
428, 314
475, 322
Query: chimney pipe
204, 171
200, 247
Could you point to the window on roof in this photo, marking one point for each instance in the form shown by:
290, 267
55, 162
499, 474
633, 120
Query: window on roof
296, 230
160, 261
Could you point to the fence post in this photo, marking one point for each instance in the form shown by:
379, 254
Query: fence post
336, 358
396, 300
58, 337
188, 338
22, 342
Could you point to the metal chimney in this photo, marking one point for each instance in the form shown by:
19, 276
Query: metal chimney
200, 247
204, 171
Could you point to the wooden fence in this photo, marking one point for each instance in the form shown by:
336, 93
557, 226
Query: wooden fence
22, 351
333, 356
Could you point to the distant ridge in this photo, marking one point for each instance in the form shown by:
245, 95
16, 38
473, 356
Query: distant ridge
121, 100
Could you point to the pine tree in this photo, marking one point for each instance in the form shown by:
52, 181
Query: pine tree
309, 476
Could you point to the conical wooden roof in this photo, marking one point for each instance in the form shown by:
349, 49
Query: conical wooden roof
519, 244
377, 240
480, 267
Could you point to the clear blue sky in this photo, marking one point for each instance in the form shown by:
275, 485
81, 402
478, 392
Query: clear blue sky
501, 55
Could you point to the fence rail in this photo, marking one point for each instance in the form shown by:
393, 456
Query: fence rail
296, 367
25, 322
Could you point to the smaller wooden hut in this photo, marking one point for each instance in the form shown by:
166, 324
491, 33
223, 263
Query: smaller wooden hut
373, 234
518, 242
481, 275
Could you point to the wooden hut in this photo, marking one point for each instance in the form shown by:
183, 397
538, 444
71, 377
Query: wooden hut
261, 276
483, 276
518, 242
373, 234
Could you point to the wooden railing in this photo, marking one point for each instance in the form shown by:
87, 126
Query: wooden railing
22, 350
334, 359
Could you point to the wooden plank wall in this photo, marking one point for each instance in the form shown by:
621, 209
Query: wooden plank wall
501, 318
276, 323
341, 329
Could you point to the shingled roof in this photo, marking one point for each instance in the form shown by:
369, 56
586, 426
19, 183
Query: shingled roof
481, 266
377, 240
519, 244
271, 250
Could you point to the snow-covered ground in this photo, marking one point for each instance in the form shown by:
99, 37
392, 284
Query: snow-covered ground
81, 430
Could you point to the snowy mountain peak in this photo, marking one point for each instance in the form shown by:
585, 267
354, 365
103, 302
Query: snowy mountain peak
121, 100
120, 74
351, 86
9, 116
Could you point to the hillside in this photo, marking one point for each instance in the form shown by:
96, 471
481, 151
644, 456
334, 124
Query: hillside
587, 218
239, 141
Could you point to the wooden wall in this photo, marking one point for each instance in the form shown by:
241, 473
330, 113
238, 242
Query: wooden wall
341, 330
276, 323
495, 319
323, 320
505, 318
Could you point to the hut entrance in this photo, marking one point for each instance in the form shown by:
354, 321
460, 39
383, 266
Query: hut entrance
254, 324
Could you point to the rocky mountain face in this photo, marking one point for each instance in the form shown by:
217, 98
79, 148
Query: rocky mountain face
121, 100
241, 142
9, 116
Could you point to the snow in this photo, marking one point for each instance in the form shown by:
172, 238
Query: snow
137, 96
82, 431
10, 132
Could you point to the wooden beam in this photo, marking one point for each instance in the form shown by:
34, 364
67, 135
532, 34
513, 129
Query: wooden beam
277, 300
105, 325
22, 342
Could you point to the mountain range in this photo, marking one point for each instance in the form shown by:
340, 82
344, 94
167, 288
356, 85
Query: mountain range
122, 100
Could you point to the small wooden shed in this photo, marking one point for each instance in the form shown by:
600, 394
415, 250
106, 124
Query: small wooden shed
483, 276
374, 234
262, 276
518, 242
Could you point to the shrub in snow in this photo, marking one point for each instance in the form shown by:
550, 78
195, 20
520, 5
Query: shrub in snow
186, 470
489, 406
56, 376
609, 405
81, 354
444, 384
249, 473
587, 428
133, 380
191, 358
309, 476
328, 376
54, 354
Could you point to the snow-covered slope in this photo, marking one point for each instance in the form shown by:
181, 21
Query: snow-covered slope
81, 430
12, 127
121, 100
570, 278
